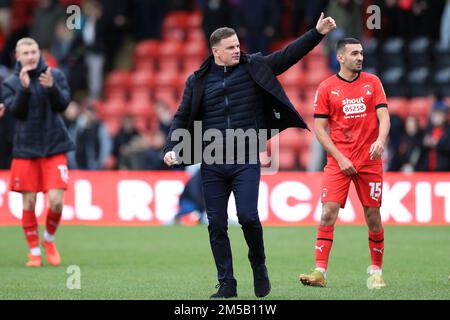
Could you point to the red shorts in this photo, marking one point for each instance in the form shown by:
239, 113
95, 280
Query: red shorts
39, 174
368, 183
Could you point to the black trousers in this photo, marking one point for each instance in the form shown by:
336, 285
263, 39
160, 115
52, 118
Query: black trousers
219, 180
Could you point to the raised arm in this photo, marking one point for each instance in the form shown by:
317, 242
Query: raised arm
285, 58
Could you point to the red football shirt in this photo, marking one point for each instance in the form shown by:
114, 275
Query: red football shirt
350, 107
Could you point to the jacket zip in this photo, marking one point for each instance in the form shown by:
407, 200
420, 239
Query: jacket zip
227, 106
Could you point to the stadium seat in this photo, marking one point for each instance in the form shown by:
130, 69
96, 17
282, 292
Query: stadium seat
112, 108
176, 20
441, 55
291, 138
441, 80
140, 93
195, 49
314, 78
194, 20
371, 54
418, 80
292, 78
172, 48
418, 52
141, 108
196, 35
398, 106
169, 64
420, 108
392, 79
147, 49
392, 53
286, 159
143, 79
167, 78
112, 124
117, 83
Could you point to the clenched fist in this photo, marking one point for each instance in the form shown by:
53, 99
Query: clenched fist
170, 158
325, 25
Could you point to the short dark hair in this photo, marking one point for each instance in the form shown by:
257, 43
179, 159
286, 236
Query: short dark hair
219, 34
343, 42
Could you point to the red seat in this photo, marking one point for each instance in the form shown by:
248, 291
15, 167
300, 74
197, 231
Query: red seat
420, 106
147, 49
398, 106
166, 78
290, 138
169, 64
195, 49
112, 124
172, 48
112, 107
176, 20
314, 77
196, 35
144, 79
194, 20
141, 108
287, 159
140, 94
118, 79
292, 77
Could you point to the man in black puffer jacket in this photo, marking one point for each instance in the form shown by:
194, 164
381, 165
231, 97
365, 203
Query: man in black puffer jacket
36, 95
236, 92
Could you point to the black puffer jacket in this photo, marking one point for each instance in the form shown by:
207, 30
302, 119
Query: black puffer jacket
279, 111
39, 129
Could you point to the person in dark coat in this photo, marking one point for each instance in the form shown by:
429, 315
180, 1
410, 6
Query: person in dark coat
36, 95
234, 91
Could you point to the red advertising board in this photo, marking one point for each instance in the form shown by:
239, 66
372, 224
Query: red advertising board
286, 198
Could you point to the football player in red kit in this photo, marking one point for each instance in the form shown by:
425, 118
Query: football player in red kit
352, 104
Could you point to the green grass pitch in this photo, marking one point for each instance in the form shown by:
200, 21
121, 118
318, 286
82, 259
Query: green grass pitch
176, 263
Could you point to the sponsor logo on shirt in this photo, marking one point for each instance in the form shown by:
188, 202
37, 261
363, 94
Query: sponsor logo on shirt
353, 106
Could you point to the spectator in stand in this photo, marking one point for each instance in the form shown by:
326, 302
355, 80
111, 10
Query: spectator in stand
92, 34
164, 116
445, 25
348, 17
144, 152
216, 14
126, 133
45, 19
436, 143
70, 119
148, 17
92, 140
115, 17
411, 145
5, 17
6, 128
258, 22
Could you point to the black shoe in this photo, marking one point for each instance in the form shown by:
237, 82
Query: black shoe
261, 281
226, 290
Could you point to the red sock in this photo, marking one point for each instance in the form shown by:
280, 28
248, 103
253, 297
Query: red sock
323, 245
30, 228
53, 219
376, 245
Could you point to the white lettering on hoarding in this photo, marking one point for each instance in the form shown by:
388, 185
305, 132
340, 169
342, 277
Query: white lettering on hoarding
442, 189
84, 208
423, 202
392, 206
167, 193
134, 198
279, 201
